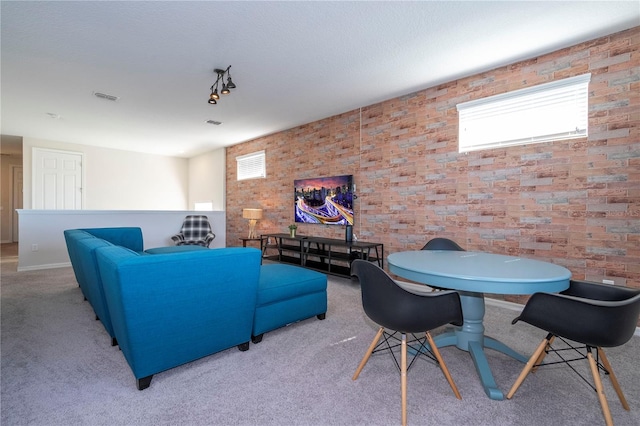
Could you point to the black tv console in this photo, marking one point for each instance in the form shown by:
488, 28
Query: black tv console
328, 255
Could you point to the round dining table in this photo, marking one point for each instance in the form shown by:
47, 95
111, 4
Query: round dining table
473, 274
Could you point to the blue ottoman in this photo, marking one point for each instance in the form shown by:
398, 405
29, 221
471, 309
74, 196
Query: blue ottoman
287, 294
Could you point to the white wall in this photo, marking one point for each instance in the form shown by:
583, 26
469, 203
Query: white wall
207, 179
120, 180
42, 243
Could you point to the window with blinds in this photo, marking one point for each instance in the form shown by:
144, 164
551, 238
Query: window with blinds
251, 166
547, 112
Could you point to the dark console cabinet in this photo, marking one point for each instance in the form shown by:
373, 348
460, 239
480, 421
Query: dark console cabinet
328, 255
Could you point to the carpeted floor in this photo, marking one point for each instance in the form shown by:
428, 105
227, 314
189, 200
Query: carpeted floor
58, 368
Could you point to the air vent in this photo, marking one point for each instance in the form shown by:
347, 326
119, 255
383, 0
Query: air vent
105, 96
214, 122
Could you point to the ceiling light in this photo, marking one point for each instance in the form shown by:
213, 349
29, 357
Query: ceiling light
226, 86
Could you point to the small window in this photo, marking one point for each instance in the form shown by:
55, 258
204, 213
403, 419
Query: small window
251, 166
203, 206
547, 112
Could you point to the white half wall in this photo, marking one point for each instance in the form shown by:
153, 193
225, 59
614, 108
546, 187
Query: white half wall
42, 243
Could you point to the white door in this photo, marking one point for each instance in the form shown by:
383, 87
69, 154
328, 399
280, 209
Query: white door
57, 181
16, 201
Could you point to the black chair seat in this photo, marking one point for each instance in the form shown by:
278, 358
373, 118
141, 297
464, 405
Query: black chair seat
442, 244
588, 313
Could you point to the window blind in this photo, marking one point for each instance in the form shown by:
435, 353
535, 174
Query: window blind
546, 112
251, 166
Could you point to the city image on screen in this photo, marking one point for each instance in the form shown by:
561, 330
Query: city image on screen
327, 200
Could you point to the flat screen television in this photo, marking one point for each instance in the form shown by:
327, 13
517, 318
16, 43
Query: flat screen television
326, 200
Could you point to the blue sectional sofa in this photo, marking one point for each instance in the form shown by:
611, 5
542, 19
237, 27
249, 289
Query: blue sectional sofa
168, 306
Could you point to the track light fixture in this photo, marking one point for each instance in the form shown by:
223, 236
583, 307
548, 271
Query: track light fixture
226, 86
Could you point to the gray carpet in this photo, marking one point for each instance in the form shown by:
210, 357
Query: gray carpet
58, 368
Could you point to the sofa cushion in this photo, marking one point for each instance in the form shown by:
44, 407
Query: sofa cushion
280, 282
174, 249
129, 237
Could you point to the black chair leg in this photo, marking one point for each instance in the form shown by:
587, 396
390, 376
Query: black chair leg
257, 339
243, 346
144, 382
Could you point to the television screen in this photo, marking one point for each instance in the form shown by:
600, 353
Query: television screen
327, 200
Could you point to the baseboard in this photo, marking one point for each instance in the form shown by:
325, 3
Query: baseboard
40, 267
504, 304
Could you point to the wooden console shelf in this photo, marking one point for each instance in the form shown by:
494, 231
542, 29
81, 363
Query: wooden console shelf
331, 256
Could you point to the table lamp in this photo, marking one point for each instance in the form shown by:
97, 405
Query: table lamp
253, 215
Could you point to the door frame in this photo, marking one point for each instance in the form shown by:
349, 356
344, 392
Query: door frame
13, 201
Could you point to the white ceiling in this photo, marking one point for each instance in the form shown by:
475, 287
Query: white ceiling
293, 62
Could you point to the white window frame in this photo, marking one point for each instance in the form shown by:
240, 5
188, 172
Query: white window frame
546, 112
251, 166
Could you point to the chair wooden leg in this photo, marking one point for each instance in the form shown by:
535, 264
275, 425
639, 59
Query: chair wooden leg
403, 378
596, 379
614, 379
443, 366
527, 368
542, 355
368, 353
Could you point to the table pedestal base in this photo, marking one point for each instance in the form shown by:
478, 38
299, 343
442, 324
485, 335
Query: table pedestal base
470, 337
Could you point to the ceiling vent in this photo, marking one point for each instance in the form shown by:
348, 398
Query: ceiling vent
214, 122
105, 96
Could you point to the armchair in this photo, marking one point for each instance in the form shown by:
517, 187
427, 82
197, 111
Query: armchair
196, 230
590, 314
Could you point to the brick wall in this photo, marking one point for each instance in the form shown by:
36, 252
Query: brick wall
575, 203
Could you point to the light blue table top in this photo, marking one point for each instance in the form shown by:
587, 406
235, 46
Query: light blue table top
479, 272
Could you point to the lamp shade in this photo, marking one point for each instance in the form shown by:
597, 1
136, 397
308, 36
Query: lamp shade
252, 213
